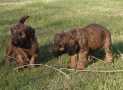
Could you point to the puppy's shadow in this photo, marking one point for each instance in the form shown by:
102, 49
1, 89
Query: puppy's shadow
45, 53
95, 56
117, 49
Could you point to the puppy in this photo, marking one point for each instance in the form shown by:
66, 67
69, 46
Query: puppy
23, 44
79, 42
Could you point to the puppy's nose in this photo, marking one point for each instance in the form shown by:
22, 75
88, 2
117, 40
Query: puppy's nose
61, 49
23, 36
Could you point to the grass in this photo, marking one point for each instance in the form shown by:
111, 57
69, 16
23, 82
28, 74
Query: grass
49, 17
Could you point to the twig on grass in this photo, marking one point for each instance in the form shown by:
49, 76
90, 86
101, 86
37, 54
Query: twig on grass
94, 71
97, 58
60, 71
67, 76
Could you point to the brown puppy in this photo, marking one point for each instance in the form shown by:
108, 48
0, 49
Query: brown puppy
80, 41
23, 43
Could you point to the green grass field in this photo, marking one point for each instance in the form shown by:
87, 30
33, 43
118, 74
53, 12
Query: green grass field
49, 17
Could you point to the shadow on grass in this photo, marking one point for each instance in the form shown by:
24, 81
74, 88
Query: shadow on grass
117, 49
46, 55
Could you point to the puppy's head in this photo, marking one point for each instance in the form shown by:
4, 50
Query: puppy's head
59, 44
65, 42
20, 31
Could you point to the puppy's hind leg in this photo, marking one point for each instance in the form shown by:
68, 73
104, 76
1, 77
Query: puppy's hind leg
107, 47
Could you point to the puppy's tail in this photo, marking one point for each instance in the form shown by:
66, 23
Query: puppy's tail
23, 19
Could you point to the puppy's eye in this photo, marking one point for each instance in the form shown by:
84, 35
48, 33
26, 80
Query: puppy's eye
20, 34
61, 45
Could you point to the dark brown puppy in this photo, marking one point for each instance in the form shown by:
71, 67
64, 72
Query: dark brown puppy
23, 44
80, 41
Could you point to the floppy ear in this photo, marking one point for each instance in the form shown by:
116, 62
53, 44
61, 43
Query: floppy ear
31, 32
23, 19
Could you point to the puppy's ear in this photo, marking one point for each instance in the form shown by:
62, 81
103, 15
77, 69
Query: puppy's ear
23, 19
31, 32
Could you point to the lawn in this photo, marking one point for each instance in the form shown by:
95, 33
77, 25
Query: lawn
49, 17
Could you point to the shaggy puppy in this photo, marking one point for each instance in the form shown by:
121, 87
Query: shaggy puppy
23, 44
79, 42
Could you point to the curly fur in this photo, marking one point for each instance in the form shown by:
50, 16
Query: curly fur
80, 41
23, 43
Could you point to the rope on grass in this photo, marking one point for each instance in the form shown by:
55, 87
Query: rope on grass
58, 70
94, 71
67, 76
97, 58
